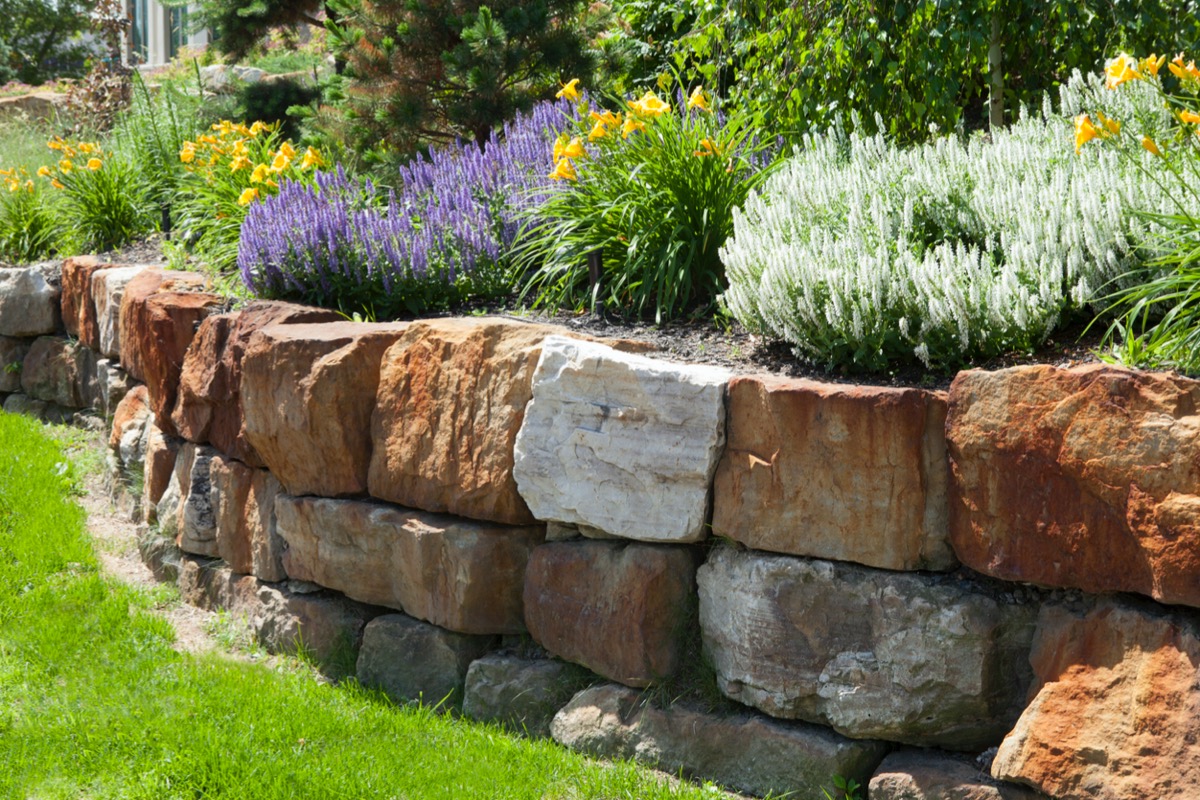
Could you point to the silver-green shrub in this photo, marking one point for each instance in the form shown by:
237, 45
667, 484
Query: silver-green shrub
861, 253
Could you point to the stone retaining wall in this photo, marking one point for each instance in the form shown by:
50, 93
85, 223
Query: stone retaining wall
986, 593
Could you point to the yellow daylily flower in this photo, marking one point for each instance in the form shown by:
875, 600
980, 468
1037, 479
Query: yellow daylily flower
607, 118
29, 185
598, 131
239, 163
1110, 126
280, 163
94, 164
87, 148
247, 197
1184, 71
272, 184
44, 172
55, 144
1190, 117
57, 184
569, 90
649, 105
188, 154
1152, 64
312, 158
1085, 131
260, 174
559, 145
65, 166
287, 150
13, 184
1119, 70
574, 149
697, 100
707, 148
1149, 144
632, 124
259, 127
563, 170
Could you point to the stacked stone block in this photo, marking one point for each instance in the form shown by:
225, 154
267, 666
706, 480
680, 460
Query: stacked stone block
895, 568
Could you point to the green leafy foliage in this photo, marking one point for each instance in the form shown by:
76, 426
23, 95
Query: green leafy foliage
914, 63
39, 40
269, 102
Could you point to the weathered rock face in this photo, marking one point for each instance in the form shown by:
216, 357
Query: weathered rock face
1085, 478
108, 288
620, 442
746, 752
925, 775
307, 395
872, 654
523, 694
1115, 714
132, 414
209, 406
78, 307
170, 320
462, 575
186, 507
108, 385
452, 396
145, 330
12, 357
851, 473
161, 453
622, 610
412, 660
55, 370
29, 301
327, 626
243, 500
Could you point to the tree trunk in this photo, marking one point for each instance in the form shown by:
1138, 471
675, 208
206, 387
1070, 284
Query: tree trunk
996, 74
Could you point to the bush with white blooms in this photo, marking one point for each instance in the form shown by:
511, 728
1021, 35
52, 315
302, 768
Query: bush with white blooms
861, 253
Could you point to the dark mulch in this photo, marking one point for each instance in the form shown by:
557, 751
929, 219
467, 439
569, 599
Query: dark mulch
732, 346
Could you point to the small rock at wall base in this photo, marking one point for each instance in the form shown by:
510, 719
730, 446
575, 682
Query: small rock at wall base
38, 409
413, 660
55, 370
12, 357
197, 526
326, 626
931, 775
522, 694
747, 752
160, 554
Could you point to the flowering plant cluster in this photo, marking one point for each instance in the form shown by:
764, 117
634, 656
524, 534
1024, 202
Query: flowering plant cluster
443, 236
1158, 324
649, 189
231, 167
860, 253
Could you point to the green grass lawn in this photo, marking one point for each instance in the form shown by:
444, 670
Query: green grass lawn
94, 702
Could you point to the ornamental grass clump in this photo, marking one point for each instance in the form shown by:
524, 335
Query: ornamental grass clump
862, 254
651, 189
1157, 308
442, 238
